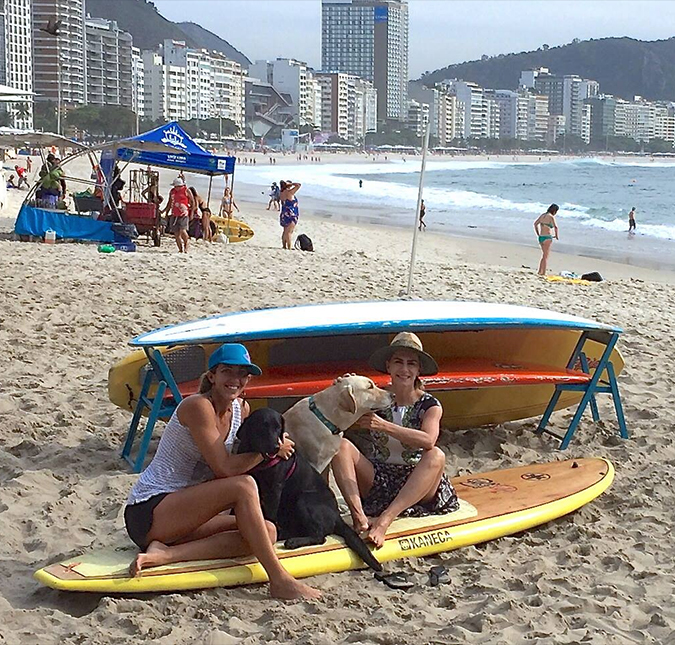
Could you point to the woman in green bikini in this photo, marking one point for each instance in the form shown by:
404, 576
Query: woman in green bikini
544, 225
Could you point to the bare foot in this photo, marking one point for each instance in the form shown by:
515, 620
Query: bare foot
378, 530
292, 589
155, 555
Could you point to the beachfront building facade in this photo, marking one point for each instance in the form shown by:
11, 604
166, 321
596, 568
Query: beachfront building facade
523, 115
59, 63
348, 106
450, 119
369, 39
268, 112
567, 95
184, 83
137, 83
481, 112
16, 57
418, 117
109, 63
294, 78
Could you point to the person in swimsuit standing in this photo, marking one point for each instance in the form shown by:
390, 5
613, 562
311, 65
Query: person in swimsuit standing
289, 211
631, 221
227, 203
175, 511
546, 229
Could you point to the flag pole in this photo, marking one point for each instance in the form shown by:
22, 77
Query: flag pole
417, 209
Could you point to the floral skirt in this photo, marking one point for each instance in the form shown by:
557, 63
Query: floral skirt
388, 482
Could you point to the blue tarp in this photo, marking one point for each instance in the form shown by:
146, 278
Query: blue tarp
37, 221
189, 156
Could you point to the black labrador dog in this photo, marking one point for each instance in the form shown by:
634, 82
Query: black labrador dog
293, 495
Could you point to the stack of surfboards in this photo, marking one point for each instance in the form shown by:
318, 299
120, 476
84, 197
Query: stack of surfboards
497, 362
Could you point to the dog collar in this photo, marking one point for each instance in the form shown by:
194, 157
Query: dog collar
273, 462
321, 417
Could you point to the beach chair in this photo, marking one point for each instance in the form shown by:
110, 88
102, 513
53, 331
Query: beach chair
166, 372
602, 381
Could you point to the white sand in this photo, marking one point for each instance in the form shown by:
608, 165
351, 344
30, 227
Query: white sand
602, 575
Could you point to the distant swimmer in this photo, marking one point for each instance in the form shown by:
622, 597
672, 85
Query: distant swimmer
360, 183
631, 221
547, 220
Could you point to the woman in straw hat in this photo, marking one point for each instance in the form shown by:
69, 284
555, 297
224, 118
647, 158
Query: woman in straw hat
400, 471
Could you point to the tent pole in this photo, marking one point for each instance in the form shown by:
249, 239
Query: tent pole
208, 197
417, 209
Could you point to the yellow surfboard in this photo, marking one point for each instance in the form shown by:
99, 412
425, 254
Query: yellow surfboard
494, 504
233, 229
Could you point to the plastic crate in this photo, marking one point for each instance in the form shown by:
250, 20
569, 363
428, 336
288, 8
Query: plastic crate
141, 214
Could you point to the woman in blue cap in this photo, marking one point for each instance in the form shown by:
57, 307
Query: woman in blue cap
175, 511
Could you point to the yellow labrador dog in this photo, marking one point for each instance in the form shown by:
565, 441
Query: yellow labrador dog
316, 423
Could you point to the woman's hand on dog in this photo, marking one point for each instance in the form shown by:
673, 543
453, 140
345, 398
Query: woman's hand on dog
372, 422
286, 447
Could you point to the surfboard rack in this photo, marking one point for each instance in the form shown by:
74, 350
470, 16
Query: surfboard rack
596, 385
158, 406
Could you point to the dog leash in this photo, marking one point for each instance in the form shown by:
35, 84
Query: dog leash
321, 417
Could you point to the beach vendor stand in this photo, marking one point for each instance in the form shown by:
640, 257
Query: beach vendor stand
37, 216
185, 155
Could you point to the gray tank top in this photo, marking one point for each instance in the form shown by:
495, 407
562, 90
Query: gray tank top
178, 463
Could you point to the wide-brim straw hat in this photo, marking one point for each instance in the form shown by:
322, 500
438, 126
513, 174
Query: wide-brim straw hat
404, 340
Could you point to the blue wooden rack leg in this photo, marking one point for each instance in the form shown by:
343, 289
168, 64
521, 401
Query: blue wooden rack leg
158, 408
589, 391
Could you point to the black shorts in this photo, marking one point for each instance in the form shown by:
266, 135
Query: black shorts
138, 519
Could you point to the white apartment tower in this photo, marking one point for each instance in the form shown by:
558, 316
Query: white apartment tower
59, 64
369, 39
137, 82
16, 56
481, 113
109, 63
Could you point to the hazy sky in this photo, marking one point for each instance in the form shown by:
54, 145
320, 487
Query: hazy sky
441, 31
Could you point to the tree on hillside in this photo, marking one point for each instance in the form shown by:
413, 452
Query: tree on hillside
108, 121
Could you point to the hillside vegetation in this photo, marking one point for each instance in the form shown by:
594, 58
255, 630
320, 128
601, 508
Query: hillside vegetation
623, 66
149, 28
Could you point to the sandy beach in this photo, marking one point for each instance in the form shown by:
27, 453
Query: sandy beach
604, 574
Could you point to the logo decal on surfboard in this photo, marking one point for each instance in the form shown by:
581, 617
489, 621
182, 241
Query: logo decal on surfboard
417, 541
535, 476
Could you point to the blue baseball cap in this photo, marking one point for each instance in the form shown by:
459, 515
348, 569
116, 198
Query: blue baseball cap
233, 354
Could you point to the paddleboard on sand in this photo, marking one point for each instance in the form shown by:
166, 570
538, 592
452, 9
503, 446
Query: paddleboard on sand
498, 362
494, 504
235, 230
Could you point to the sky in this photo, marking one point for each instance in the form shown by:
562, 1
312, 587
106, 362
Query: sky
441, 32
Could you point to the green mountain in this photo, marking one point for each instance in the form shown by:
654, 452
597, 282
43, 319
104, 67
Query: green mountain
149, 28
624, 67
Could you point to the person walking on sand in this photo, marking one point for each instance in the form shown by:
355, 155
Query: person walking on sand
423, 211
290, 213
180, 205
274, 196
176, 510
546, 221
631, 221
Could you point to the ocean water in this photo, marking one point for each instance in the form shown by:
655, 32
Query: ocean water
501, 199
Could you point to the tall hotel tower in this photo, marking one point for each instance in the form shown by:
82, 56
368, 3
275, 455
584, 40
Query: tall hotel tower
369, 38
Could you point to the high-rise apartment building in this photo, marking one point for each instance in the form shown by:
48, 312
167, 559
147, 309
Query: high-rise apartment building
523, 115
566, 96
109, 63
137, 82
184, 83
369, 39
481, 112
16, 56
59, 64
349, 105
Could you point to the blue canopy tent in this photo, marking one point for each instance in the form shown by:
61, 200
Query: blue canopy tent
186, 154
168, 146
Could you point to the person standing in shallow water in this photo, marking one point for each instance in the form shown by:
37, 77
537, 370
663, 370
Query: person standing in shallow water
631, 221
546, 229
423, 212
